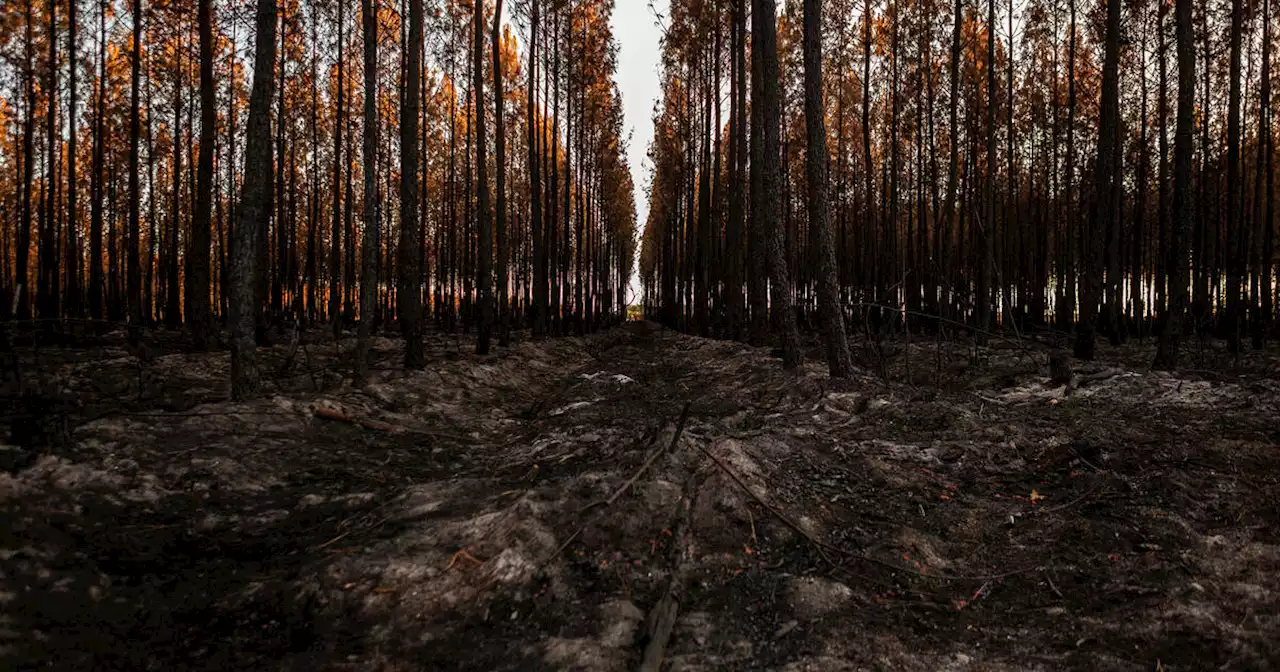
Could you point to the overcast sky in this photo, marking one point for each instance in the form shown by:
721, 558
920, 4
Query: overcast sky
637, 32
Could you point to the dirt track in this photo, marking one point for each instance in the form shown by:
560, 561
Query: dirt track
977, 519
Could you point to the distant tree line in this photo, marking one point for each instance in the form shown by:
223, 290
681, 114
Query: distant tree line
1095, 167
232, 163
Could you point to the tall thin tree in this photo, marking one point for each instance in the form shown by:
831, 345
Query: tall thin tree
484, 238
74, 299
97, 279
133, 282
1105, 176
533, 141
196, 295
766, 40
1179, 271
500, 165
409, 297
254, 207
1236, 253
339, 125
839, 361
370, 238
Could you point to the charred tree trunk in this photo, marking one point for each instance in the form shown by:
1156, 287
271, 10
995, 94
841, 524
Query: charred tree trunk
23, 284
370, 239
1067, 307
198, 317
757, 245
254, 211
953, 129
982, 297
47, 293
409, 297
1179, 273
74, 302
484, 230
335, 240
737, 159
771, 178
1235, 252
839, 361
1266, 194
97, 283
134, 258
1103, 216
500, 221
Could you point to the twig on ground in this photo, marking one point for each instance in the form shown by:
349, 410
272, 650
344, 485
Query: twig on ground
684, 416
662, 618
823, 547
344, 535
329, 413
819, 545
675, 439
1053, 587
1073, 502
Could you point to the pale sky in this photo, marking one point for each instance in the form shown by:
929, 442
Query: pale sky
637, 32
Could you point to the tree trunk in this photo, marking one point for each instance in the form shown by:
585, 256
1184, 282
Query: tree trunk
335, 240
172, 312
197, 277
534, 141
1067, 307
484, 230
1179, 273
500, 140
74, 301
1266, 196
1103, 215
1235, 252
839, 361
953, 129
1162, 218
370, 239
738, 158
47, 285
766, 39
757, 245
982, 297
254, 212
23, 284
409, 298
97, 286
134, 259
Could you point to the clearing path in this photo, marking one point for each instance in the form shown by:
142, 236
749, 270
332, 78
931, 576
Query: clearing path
639, 499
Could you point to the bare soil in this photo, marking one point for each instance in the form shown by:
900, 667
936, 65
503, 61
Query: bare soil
941, 511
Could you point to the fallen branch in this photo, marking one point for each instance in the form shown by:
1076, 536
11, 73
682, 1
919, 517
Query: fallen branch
818, 544
675, 439
1105, 374
823, 547
662, 618
344, 535
684, 416
337, 415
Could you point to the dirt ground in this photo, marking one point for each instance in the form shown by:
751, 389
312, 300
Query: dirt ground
546, 507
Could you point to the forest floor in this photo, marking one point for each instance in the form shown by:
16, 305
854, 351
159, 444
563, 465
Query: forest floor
568, 504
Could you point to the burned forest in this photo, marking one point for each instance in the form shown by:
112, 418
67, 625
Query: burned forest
639, 335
